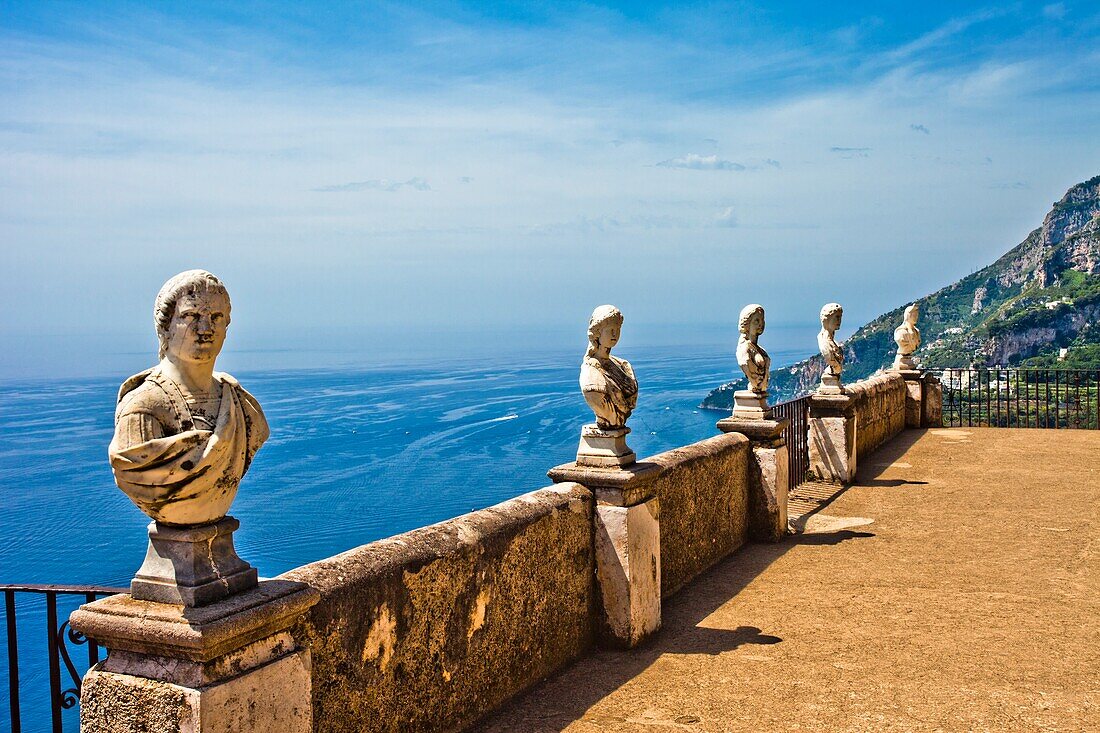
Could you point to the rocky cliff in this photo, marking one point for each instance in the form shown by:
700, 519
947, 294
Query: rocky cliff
1041, 297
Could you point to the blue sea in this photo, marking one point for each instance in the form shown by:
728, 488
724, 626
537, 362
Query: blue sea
356, 453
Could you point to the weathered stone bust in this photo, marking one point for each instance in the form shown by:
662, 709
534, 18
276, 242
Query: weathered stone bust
185, 434
610, 389
831, 351
751, 357
607, 382
907, 337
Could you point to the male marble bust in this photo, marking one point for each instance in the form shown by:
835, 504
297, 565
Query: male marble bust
831, 351
184, 433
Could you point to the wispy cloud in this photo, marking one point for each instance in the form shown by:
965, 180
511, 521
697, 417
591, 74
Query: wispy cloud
850, 152
695, 162
920, 128
1055, 11
726, 218
379, 184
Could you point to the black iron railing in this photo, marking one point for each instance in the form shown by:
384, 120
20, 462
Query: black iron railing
798, 447
63, 694
1021, 398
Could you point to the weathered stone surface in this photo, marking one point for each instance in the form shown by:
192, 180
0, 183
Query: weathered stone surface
768, 473
621, 486
274, 698
432, 629
193, 566
768, 493
879, 403
932, 402
196, 634
704, 494
602, 448
913, 403
628, 570
832, 444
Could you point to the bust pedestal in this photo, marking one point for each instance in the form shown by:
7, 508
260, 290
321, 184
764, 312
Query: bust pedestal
768, 479
602, 448
832, 438
192, 566
830, 384
228, 666
749, 405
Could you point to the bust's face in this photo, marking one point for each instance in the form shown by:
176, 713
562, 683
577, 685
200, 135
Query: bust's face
609, 333
198, 327
832, 322
756, 324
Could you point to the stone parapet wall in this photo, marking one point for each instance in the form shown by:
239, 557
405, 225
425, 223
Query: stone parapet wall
703, 490
879, 403
434, 628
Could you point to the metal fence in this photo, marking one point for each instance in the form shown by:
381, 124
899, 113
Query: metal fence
1021, 398
798, 446
63, 694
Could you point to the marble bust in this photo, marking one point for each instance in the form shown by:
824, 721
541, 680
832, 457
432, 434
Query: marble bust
831, 351
185, 434
607, 382
907, 337
610, 389
751, 357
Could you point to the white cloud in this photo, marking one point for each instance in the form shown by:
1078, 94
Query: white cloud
695, 162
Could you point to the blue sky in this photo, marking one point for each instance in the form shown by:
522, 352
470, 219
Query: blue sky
348, 168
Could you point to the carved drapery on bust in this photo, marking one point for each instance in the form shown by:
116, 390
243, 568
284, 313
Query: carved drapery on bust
184, 434
831, 351
751, 357
907, 337
607, 382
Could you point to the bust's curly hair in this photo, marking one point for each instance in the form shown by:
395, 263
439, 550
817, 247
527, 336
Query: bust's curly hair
831, 309
599, 319
747, 313
185, 283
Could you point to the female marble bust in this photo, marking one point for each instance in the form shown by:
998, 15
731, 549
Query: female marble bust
607, 382
185, 434
907, 337
831, 351
751, 357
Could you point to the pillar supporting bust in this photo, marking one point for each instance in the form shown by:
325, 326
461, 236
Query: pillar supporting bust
832, 438
628, 547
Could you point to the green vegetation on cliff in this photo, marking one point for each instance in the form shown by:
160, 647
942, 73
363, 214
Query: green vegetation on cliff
1041, 297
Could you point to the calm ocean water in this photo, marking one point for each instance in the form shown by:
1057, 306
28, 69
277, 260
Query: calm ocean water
354, 455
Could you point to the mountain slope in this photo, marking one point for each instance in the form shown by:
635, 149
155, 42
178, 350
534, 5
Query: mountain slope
1041, 296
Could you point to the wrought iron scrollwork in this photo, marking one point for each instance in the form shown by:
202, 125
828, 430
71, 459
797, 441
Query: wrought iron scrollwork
71, 696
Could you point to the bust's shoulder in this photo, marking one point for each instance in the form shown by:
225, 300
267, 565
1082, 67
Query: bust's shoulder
145, 397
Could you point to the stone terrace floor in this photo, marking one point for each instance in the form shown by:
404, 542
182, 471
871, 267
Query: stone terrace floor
955, 587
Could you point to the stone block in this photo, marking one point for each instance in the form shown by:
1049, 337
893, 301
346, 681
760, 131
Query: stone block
832, 439
913, 403
192, 566
931, 402
749, 405
628, 569
768, 475
768, 493
227, 666
601, 447
273, 698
